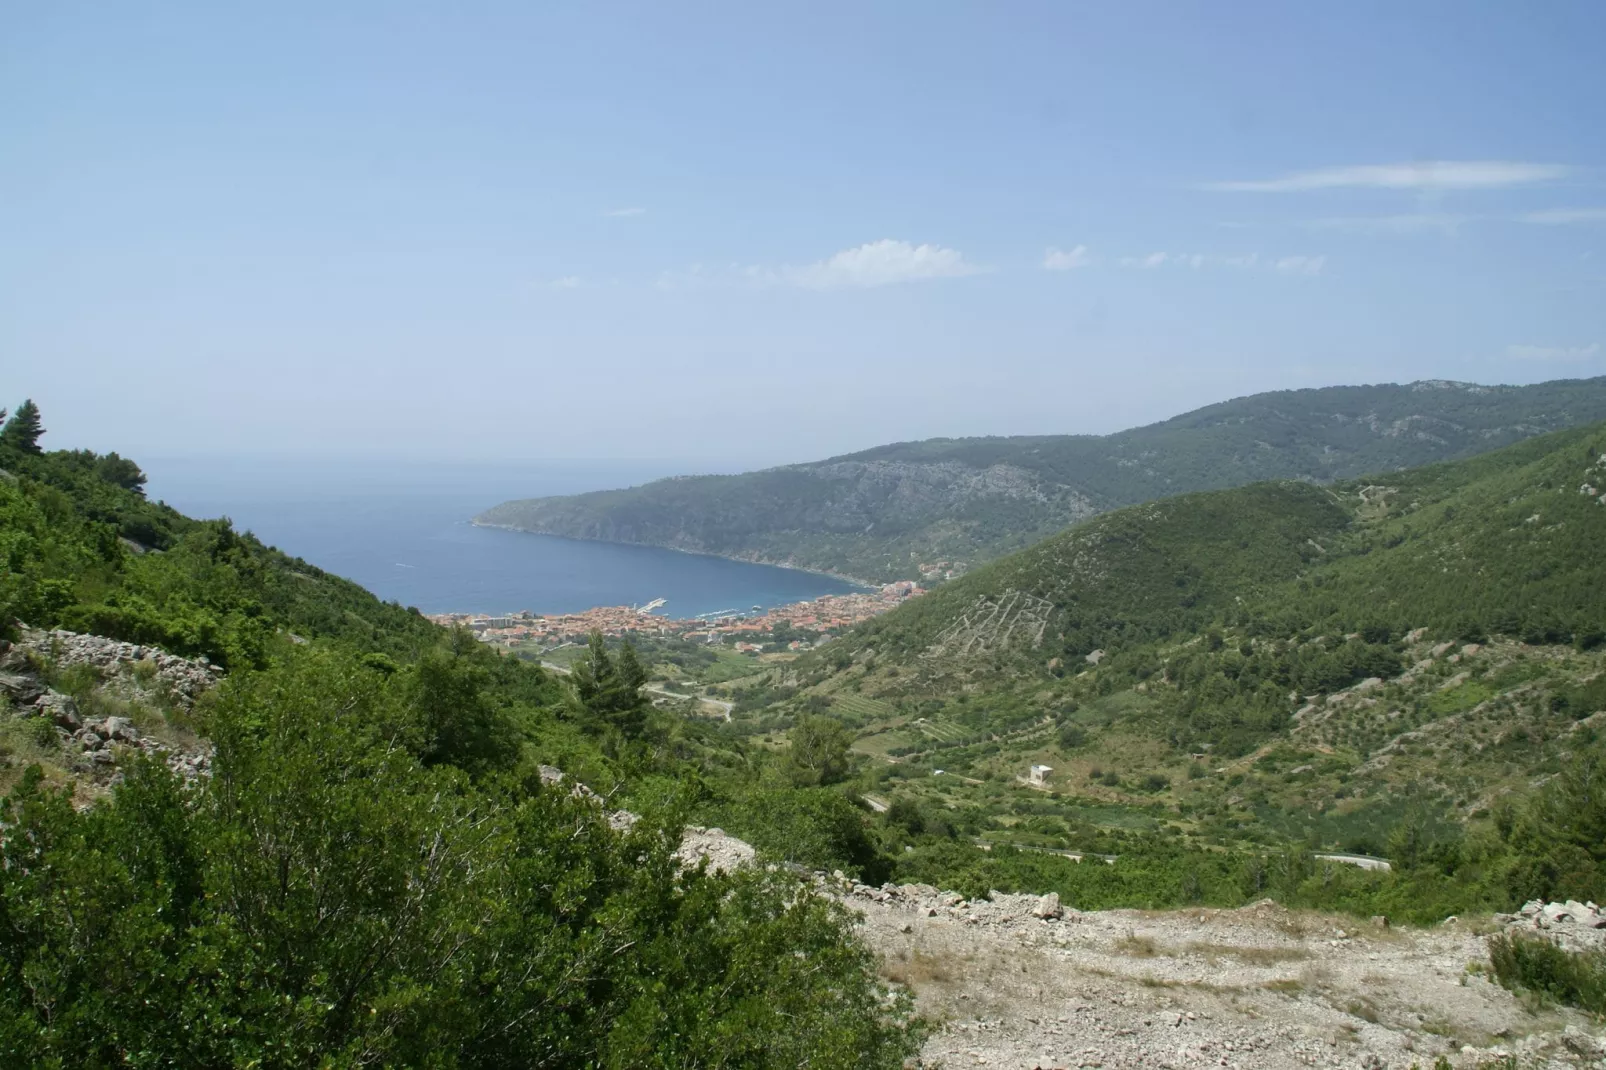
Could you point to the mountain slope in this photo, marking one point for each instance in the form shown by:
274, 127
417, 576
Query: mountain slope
1505, 543
880, 513
88, 554
1272, 662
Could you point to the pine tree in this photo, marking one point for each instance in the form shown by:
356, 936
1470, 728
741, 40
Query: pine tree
22, 431
612, 690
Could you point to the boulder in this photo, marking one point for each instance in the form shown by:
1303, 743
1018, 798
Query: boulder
20, 688
61, 709
121, 728
1048, 907
1557, 913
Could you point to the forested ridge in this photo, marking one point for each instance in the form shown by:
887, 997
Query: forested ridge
880, 513
1503, 543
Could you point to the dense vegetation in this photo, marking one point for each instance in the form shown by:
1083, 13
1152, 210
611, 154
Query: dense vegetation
1385, 666
82, 548
375, 872
1534, 964
327, 898
880, 513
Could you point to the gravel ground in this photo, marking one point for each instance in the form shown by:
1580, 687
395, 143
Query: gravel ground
1256, 987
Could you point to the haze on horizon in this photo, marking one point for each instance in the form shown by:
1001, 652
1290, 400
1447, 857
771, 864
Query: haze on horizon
416, 230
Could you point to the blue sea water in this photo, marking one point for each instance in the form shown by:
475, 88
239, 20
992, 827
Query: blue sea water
402, 531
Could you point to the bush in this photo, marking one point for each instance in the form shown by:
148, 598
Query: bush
811, 827
327, 899
1539, 965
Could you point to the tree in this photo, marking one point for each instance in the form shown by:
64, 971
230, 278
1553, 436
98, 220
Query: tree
458, 723
611, 690
22, 431
819, 753
121, 471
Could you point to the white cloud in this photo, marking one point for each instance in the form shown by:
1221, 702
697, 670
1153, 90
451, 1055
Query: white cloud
620, 213
1564, 216
1288, 265
1417, 223
1301, 265
1423, 175
877, 263
1556, 353
567, 282
1062, 260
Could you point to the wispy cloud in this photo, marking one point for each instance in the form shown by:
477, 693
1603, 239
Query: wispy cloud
1416, 223
1557, 217
877, 263
621, 213
1066, 259
1286, 265
1554, 353
1300, 265
1422, 175
566, 282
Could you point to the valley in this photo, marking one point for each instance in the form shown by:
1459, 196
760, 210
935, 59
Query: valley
1268, 713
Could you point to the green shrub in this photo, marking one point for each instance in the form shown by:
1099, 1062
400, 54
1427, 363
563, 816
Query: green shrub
1539, 965
327, 899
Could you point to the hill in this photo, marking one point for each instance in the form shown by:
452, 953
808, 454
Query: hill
880, 513
90, 553
1503, 543
1275, 663
329, 837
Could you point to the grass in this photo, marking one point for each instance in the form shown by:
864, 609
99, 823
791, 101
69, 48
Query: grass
916, 967
1461, 697
1363, 1009
26, 741
1135, 946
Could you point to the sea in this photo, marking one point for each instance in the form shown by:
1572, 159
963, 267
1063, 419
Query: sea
403, 532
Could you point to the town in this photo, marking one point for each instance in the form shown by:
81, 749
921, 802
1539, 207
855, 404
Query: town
807, 623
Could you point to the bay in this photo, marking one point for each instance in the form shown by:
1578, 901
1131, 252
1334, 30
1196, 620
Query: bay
403, 532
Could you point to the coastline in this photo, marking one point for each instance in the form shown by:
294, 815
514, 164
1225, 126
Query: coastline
855, 580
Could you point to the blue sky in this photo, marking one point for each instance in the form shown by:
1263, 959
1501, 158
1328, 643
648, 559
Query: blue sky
755, 233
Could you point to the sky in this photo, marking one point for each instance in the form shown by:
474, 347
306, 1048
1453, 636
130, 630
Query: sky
758, 233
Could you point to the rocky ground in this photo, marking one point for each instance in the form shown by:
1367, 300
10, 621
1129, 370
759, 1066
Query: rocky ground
1011, 984
126, 683
1024, 982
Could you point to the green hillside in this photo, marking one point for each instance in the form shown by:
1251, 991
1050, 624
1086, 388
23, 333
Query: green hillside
376, 867
370, 867
880, 513
1505, 543
88, 553
1330, 667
